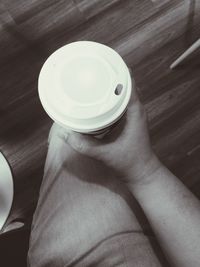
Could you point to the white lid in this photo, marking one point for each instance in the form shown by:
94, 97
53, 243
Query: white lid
77, 86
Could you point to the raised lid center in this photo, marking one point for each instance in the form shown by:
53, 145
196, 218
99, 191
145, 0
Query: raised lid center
85, 80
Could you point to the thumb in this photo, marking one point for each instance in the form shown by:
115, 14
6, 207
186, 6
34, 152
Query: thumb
84, 144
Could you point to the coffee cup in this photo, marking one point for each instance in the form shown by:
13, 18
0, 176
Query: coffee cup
85, 87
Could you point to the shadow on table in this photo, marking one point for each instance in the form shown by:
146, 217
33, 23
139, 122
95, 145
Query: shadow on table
14, 247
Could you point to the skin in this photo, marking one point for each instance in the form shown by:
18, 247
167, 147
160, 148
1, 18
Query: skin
172, 210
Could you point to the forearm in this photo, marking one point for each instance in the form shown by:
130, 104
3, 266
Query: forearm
174, 214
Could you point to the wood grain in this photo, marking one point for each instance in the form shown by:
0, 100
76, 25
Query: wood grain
148, 34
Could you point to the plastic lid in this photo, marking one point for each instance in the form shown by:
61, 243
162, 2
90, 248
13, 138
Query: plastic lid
84, 86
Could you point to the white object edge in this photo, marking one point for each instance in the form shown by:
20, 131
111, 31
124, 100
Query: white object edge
6, 190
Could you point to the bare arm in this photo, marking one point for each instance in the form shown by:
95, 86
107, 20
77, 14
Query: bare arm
174, 214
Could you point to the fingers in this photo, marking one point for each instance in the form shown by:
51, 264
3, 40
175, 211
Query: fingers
134, 94
84, 144
135, 110
55, 128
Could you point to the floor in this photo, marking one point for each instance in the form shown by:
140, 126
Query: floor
149, 35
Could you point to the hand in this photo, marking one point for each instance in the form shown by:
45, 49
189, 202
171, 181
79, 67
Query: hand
126, 148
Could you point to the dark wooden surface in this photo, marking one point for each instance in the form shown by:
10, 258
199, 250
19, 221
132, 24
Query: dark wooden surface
149, 35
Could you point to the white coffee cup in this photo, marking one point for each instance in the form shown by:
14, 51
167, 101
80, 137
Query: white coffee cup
85, 87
